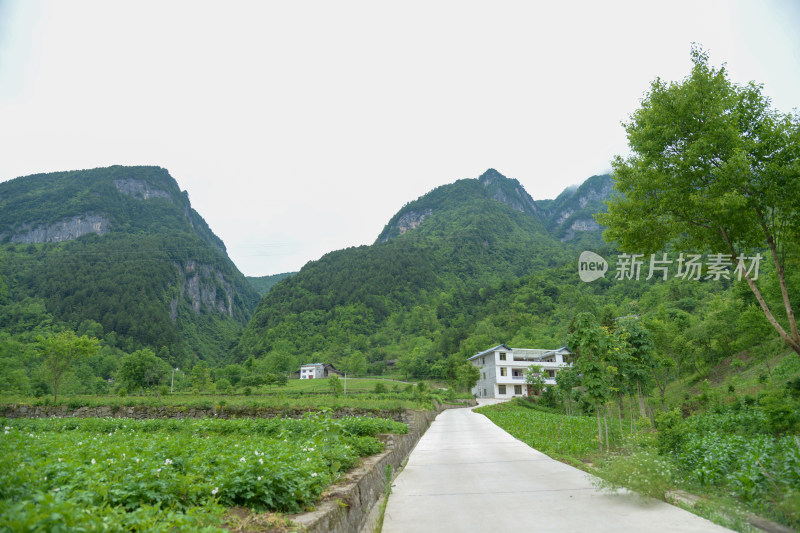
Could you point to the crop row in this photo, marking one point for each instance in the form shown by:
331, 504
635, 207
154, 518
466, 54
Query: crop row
72, 473
549, 433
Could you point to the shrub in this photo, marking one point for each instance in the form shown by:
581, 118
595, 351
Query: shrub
645, 473
781, 412
670, 430
223, 385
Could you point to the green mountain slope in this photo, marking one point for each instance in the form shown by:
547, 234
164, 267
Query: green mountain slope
569, 217
403, 293
120, 251
263, 284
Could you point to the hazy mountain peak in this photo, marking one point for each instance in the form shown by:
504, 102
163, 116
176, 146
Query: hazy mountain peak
489, 176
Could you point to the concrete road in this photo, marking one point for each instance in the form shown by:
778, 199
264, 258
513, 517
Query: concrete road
466, 474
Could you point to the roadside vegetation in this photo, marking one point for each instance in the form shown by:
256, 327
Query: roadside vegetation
730, 438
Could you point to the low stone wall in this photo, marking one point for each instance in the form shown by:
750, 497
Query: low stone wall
351, 505
146, 412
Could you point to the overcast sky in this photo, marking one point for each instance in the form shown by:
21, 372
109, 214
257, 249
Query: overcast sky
301, 127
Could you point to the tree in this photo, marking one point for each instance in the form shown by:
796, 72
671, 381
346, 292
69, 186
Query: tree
534, 376
591, 343
200, 377
61, 350
712, 167
566, 380
467, 375
234, 373
355, 363
640, 363
142, 369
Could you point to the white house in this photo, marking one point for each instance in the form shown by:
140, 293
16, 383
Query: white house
503, 369
318, 371
312, 371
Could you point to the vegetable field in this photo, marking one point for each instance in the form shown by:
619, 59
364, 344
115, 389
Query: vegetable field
553, 434
158, 475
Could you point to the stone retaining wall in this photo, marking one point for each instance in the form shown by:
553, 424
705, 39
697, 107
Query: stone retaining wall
147, 412
352, 505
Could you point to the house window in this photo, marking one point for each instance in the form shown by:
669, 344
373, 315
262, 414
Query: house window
502, 356
503, 371
483, 375
484, 392
501, 389
517, 389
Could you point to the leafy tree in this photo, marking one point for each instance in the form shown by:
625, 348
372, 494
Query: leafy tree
200, 376
639, 365
223, 385
534, 376
142, 369
61, 350
712, 167
566, 380
467, 375
591, 344
355, 363
234, 374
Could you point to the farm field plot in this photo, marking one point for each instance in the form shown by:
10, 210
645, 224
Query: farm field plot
158, 475
556, 435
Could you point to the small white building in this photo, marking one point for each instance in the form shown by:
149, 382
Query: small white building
318, 371
503, 369
312, 371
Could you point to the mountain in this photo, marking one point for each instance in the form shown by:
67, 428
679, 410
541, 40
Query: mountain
120, 253
570, 215
263, 284
451, 247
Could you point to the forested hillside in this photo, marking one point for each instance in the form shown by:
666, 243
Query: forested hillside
420, 290
119, 254
263, 284
479, 262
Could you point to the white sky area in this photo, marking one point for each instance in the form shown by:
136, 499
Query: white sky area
299, 128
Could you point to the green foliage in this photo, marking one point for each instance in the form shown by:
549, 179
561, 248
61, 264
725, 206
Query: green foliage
416, 297
670, 430
62, 350
553, 434
713, 167
141, 370
335, 384
129, 285
646, 473
166, 474
534, 376
264, 284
